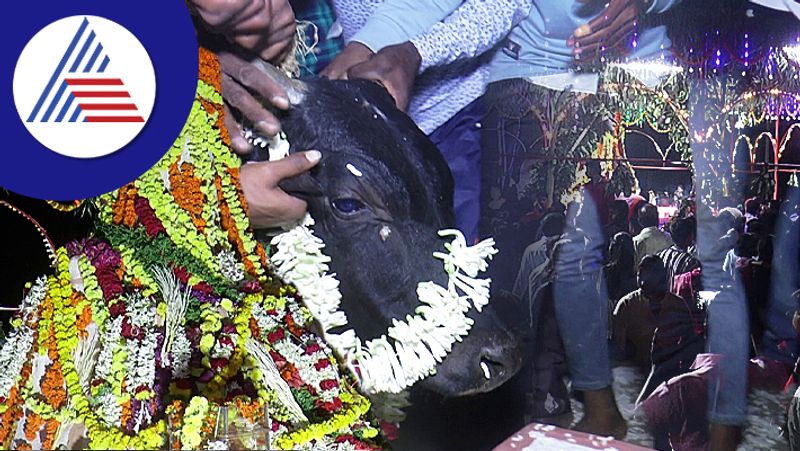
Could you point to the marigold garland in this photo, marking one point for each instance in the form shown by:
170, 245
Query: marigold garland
99, 335
33, 423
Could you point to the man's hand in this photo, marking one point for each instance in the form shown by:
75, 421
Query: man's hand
354, 53
242, 86
610, 30
395, 67
267, 205
263, 27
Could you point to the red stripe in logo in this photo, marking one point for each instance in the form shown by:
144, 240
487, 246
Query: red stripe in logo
108, 106
94, 81
101, 94
114, 119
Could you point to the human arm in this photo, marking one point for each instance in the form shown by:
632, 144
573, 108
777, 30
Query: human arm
396, 21
257, 28
472, 29
262, 27
393, 22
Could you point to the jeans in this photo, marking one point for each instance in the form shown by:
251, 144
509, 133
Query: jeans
582, 316
459, 142
780, 338
729, 336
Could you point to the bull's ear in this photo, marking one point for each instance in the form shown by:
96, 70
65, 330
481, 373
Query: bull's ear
295, 89
304, 186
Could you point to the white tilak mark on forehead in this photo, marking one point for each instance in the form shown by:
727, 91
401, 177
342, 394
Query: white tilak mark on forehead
486, 373
354, 170
378, 113
385, 232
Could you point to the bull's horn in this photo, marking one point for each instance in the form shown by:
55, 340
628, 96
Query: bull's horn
295, 89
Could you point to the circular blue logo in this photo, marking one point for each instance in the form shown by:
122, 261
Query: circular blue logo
96, 93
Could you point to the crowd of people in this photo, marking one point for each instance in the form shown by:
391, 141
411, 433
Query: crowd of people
669, 300
604, 281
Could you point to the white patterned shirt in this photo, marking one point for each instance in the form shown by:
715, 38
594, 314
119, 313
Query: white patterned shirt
455, 41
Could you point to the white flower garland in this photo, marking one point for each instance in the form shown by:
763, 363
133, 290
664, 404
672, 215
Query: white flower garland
411, 348
14, 352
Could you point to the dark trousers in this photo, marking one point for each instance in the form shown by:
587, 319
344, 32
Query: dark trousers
459, 141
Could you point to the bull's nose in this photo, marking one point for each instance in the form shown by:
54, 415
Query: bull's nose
498, 362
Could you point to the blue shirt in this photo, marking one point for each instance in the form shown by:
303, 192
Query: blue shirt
538, 45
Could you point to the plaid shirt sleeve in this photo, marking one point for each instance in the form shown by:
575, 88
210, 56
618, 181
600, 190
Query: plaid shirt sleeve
317, 17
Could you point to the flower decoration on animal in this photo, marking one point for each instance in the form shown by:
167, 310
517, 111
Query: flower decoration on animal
168, 312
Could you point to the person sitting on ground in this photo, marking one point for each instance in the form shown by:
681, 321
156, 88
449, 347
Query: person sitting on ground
677, 259
617, 220
740, 256
651, 240
537, 254
757, 281
620, 271
638, 314
752, 209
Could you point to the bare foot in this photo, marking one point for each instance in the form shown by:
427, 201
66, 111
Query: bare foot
724, 438
602, 416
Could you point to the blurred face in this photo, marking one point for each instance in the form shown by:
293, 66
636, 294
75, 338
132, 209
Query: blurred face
652, 283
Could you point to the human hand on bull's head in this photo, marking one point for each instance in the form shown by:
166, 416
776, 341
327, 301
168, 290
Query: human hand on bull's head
249, 92
395, 67
353, 54
609, 31
268, 206
262, 29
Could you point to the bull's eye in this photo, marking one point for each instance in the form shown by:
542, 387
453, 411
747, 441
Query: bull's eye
348, 205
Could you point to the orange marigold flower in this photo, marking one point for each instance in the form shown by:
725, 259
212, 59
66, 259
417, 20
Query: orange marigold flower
8, 421
52, 384
127, 412
185, 188
209, 69
51, 430
84, 320
122, 210
33, 424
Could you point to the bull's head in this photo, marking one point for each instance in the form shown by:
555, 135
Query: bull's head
379, 196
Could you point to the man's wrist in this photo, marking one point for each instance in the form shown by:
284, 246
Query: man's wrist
411, 55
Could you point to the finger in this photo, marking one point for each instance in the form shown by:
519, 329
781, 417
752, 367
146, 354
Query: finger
239, 145
249, 76
240, 98
621, 39
291, 209
256, 9
626, 19
217, 14
273, 46
615, 7
291, 166
600, 22
595, 50
375, 70
265, 23
336, 70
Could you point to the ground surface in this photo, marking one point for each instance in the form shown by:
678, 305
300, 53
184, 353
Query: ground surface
765, 413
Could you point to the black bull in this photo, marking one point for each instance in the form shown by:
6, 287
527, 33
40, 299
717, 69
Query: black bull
379, 196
